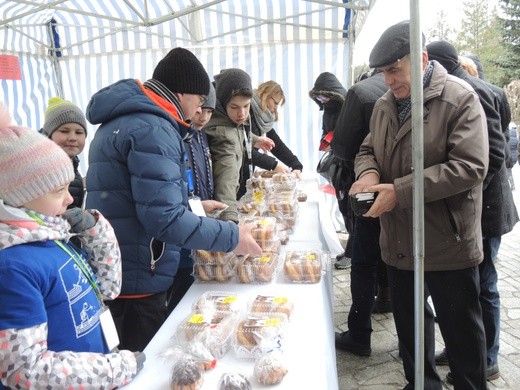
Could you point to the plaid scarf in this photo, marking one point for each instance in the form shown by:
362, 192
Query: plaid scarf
404, 106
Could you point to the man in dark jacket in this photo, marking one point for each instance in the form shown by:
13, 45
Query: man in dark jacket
455, 163
137, 179
350, 131
499, 214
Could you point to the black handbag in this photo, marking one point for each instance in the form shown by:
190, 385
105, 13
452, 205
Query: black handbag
327, 165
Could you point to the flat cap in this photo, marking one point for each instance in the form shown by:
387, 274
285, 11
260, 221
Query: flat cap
393, 45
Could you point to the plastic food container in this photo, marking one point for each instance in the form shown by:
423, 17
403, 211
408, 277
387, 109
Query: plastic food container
256, 269
303, 266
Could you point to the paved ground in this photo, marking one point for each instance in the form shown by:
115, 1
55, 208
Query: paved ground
383, 369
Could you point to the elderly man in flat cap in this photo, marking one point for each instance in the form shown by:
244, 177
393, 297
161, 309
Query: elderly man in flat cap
455, 164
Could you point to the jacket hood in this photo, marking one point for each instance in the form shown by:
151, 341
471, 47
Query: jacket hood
327, 85
220, 118
122, 98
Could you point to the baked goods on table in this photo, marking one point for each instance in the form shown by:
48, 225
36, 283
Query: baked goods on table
186, 375
264, 232
267, 304
213, 258
303, 266
213, 273
257, 333
233, 381
256, 269
270, 368
212, 329
212, 301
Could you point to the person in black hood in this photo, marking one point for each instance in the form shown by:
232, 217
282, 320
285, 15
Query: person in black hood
329, 95
499, 214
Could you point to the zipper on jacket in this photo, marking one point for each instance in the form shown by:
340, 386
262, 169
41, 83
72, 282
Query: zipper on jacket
453, 224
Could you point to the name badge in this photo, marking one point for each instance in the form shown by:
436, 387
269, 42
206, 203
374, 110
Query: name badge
109, 329
196, 206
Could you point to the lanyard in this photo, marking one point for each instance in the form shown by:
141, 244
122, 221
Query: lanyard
249, 150
189, 175
78, 259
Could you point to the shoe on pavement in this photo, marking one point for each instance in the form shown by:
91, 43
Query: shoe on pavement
342, 263
382, 306
344, 342
441, 358
492, 373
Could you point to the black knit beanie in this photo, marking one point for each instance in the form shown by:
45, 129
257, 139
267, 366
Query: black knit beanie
445, 53
181, 72
230, 81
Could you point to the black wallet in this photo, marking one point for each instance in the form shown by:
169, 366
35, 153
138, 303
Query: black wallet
362, 201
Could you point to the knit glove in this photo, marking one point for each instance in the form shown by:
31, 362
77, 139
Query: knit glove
140, 358
79, 219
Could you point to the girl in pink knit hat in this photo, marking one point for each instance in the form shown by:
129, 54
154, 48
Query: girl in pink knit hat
52, 317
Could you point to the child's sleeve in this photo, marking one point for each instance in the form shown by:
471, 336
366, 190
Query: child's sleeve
25, 363
103, 255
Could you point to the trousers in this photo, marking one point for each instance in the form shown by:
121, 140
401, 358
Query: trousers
365, 257
455, 295
137, 320
489, 298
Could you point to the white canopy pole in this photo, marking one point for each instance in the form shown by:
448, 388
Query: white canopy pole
418, 188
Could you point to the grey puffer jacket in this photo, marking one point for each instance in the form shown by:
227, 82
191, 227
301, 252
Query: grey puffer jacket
455, 164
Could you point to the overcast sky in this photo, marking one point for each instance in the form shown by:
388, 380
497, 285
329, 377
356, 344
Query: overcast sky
388, 12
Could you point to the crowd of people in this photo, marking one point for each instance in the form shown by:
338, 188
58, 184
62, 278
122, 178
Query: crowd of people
178, 148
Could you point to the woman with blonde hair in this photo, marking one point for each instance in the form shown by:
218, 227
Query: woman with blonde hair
264, 113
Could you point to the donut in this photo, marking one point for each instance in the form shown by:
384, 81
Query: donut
269, 369
264, 267
293, 269
203, 256
272, 304
245, 270
221, 273
204, 272
245, 333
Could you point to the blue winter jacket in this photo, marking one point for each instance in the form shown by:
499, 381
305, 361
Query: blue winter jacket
137, 179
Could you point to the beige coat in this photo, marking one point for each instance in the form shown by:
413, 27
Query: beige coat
455, 164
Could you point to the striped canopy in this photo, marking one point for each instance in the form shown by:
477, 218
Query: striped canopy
73, 48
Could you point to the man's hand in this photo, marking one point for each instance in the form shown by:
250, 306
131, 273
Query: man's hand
246, 243
210, 206
264, 143
386, 200
364, 182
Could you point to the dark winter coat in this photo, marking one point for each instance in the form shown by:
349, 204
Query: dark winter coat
76, 187
328, 85
137, 179
499, 214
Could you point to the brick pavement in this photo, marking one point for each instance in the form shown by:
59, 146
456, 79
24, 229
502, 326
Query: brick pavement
383, 369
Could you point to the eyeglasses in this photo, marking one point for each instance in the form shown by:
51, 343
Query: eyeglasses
275, 102
202, 99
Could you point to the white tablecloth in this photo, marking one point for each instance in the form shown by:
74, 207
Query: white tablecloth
309, 347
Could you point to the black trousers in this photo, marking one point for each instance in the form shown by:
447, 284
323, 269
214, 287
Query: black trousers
366, 255
137, 320
182, 281
455, 295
